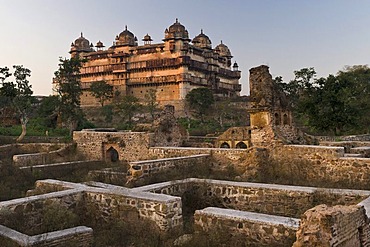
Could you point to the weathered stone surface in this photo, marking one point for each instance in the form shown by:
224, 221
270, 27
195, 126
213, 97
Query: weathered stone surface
344, 226
112, 146
168, 132
261, 229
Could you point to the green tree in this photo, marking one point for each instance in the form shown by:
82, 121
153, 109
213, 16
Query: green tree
48, 111
200, 100
337, 104
127, 108
69, 90
18, 94
151, 102
102, 91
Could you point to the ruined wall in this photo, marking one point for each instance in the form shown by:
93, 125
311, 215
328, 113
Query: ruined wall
344, 226
282, 200
317, 165
44, 157
59, 169
9, 150
219, 153
121, 203
235, 137
95, 145
168, 132
139, 169
270, 115
164, 211
250, 228
80, 236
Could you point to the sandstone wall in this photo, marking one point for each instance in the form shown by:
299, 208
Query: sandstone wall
218, 153
45, 157
144, 168
58, 169
80, 236
365, 137
130, 146
344, 226
119, 202
282, 200
251, 228
319, 166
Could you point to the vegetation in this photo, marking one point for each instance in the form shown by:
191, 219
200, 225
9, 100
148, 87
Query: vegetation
102, 91
336, 105
151, 102
69, 90
17, 95
127, 107
200, 100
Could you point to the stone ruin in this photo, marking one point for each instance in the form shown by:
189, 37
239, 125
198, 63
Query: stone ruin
265, 214
167, 131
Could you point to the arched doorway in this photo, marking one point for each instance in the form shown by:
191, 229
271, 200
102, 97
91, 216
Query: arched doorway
277, 119
241, 145
112, 155
225, 145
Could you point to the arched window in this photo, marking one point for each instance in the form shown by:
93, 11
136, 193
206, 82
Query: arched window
241, 145
225, 145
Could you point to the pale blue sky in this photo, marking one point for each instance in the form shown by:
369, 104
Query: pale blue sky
287, 35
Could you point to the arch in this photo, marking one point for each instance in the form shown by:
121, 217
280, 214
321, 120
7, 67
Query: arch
241, 145
285, 119
277, 118
225, 145
112, 154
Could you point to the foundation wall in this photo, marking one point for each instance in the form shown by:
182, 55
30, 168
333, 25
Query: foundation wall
130, 146
144, 168
251, 228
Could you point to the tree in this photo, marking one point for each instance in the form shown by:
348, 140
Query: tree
69, 90
102, 91
48, 111
18, 94
127, 107
151, 102
200, 100
337, 104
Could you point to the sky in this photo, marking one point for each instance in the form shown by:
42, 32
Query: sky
286, 35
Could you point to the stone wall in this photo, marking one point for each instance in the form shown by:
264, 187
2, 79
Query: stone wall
119, 202
129, 146
139, 169
59, 169
224, 154
344, 226
80, 236
44, 157
251, 228
360, 138
8, 150
282, 200
317, 165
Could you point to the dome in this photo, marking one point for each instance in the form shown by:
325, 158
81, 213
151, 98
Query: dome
147, 38
176, 31
223, 50
126, 38
202, 41
81, 44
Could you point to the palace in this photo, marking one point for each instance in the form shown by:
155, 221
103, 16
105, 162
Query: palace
172, 68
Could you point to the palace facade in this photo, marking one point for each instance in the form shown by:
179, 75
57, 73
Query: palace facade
172, 68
